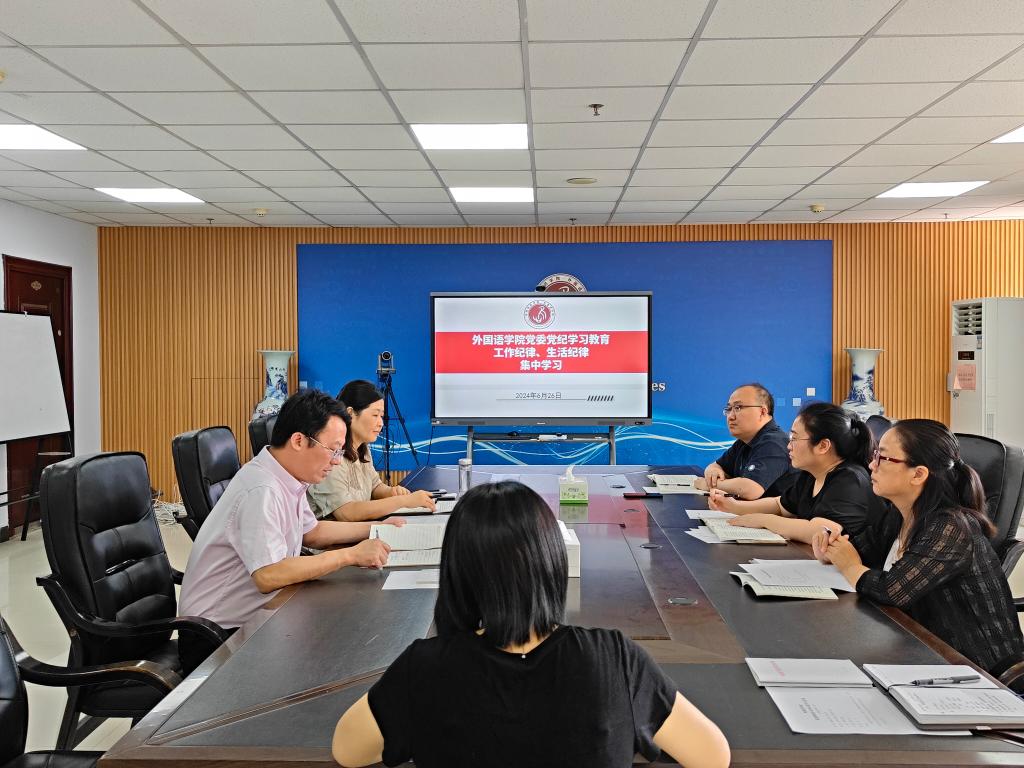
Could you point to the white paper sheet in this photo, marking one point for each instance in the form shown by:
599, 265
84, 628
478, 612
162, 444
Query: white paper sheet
426, 578
844, 710
798, 573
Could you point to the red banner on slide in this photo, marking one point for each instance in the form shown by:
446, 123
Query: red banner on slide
517, 352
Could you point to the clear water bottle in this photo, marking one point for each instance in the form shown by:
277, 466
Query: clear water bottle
465, 475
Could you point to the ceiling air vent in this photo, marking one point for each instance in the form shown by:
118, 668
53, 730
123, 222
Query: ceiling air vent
967, 319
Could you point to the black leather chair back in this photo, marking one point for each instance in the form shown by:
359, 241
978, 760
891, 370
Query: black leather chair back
13, 702
878, 426
205, 460
1001, 468
260, 431
104, 546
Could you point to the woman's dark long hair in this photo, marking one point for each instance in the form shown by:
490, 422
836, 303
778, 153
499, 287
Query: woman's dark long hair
850, 436
952, 486
503, 566
358, 395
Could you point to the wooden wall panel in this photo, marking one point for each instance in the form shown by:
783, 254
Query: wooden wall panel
183, 310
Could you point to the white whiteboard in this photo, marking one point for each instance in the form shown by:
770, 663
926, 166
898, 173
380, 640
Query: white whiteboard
31, 394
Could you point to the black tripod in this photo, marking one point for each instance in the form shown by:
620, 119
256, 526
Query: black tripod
385, 370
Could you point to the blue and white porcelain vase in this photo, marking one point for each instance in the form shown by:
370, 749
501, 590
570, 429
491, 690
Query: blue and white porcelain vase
861, 399
275, 381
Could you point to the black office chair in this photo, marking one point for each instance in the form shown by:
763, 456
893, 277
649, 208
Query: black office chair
16, 667
112, 584
878, 426
260, 431
205, 460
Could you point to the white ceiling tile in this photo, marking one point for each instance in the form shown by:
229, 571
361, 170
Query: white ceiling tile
794, 18
318, 107
776, 60
605, 177
423, 208
109, 178
119, 136
245, 209
80, 22
666, 193
691, 157
27, 72
568, 65
981, 99
426, 21
65, 108
67, 192
869, 174
586, 206
1009, 154
853, 216
138, 69
236, 136
379, 159
612, 19
292, 67
585, 159
480, 159
497, 208
191, 108
351, 136
809, 154
203, 179
408, 195
62, 160
286, 220
487, 178
736, 206
320, 194
851, 130
950, 130
559, 105
232, 194
832, 191
572, 219
589, 135
298, 179
318, 208
870, 100
1011, 69
907, 154
501, 220
679, 207
160, 160
568, 193
398, 178
708, 133
678, 177
923, 59
966, 173
949, 17
428, 220
471, 106
795, 175
715, 102
718, 218
495, 65
753, 192
251, 21
270, 160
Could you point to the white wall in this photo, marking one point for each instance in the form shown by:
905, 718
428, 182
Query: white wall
30, 234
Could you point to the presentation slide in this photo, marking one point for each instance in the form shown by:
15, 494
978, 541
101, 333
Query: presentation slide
533, 358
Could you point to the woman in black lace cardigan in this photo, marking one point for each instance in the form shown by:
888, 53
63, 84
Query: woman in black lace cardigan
929, 554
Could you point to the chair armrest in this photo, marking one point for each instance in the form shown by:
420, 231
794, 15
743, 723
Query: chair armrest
1013, 553
70, 614
155, 675
177, 576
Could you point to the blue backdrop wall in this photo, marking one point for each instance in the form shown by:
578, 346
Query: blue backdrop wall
723, 313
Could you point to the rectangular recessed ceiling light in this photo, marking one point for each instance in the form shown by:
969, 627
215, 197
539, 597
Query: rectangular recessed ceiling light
149, 195
1013, 137
492, 194
932, 189
32, 137
506, 136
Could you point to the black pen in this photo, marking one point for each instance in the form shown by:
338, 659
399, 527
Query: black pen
933, 681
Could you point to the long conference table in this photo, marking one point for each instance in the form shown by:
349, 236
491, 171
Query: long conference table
273, 694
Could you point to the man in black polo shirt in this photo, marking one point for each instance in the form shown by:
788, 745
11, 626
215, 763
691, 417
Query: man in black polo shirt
757, 464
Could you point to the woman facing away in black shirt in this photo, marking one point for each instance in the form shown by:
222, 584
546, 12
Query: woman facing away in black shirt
505, 682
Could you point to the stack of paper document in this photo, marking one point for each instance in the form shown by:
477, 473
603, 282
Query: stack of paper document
674, 483
759, 589
411, 544
741, 535
808, 673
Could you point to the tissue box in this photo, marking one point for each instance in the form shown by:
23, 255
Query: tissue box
572, 548
575, 491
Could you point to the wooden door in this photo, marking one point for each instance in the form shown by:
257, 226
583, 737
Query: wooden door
37, 288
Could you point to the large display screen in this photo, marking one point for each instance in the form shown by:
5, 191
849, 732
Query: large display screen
541, 358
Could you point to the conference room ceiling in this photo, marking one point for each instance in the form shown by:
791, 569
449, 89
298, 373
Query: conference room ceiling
721, 111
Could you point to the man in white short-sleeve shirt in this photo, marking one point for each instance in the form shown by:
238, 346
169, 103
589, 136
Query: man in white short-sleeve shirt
249, 546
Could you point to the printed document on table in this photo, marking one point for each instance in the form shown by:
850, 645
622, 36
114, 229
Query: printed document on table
797, 573
708, 514
409, 536
889, 675
843, 710
427, 578
405, 557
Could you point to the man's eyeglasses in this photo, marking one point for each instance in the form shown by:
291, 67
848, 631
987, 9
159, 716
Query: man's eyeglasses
336, 453
876, 456
736, 408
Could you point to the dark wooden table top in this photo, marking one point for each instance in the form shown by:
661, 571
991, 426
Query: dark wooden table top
273, 694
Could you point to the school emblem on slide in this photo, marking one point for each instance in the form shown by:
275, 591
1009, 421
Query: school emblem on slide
561, 284
539, 314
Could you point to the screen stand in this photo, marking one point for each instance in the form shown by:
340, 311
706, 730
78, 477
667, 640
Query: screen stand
608, 437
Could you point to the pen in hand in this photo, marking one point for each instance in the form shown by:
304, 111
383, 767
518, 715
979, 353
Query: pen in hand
937, 681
